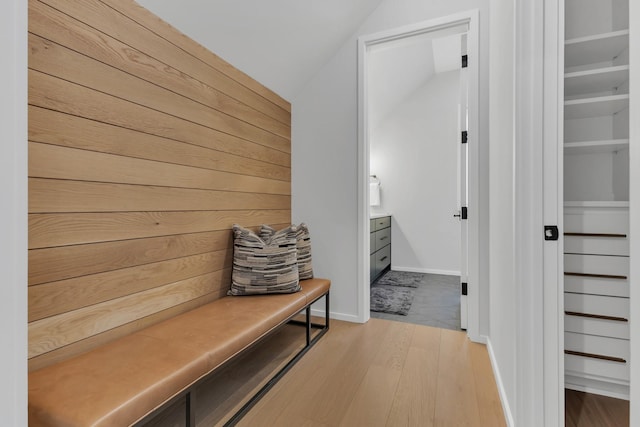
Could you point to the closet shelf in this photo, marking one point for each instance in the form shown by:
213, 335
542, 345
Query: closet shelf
596, 204
594, 49
595, 107
587, 147
596, 80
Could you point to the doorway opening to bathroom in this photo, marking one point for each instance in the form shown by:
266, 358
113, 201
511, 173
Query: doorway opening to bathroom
418, 115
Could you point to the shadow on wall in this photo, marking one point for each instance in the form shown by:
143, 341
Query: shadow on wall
400, 238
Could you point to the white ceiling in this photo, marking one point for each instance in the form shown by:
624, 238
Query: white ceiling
280, 43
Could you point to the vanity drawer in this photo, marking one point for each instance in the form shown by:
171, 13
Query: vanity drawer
611, 267
589, 355
379, 245
383, 222
598, 245
383, 258
382, 238
373, 271
372, 242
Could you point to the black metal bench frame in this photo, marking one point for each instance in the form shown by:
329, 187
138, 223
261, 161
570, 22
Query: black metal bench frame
190, 393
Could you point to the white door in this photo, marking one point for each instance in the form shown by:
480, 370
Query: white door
463, 199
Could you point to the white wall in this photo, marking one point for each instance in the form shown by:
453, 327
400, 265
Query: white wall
325, 154
502, 338
13, 215
413, 151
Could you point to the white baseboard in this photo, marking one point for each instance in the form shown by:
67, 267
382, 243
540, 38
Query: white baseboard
425, 270
501, 391
480, 339
596, 390
337, 316
578, 382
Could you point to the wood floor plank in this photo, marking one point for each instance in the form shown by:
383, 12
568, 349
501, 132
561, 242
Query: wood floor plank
374, 397
320, 377
339, 387
323, 390
414, 402
456, 403
591, 410
489, 405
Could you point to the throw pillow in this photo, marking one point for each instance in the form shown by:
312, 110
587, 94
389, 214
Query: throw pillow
303, 245
264, 266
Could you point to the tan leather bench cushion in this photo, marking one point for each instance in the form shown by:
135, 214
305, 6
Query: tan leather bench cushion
121, 382
314, 288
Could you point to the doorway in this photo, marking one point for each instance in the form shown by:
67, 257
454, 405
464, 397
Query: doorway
417, 159
460, 29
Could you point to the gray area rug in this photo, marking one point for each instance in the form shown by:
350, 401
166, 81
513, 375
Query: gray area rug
401, 278
436, 301
391, 299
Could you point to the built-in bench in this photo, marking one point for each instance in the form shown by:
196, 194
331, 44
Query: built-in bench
131, 379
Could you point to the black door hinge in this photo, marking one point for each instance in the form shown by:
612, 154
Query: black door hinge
464, 137
463, 213
464, 288
465, 61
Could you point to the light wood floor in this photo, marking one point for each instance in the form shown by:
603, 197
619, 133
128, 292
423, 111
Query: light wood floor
592, 410
382, 373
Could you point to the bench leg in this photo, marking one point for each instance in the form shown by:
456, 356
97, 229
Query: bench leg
326, 310
308, 325
190, 410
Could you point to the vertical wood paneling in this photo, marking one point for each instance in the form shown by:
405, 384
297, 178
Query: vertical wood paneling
144, 149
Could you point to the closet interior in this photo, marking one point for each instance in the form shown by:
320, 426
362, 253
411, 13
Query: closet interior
596, 194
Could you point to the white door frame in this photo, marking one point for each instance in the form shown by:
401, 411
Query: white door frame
471, 18
552, 168
463, 182
537, 173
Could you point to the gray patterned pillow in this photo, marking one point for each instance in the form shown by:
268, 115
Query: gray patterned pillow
266, 266
303, 244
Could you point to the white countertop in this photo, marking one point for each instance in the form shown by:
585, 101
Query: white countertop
378, 215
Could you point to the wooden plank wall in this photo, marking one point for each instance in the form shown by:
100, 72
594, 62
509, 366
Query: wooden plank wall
144, 149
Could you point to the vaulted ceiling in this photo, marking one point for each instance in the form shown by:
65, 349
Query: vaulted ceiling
280, 43
399, 67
